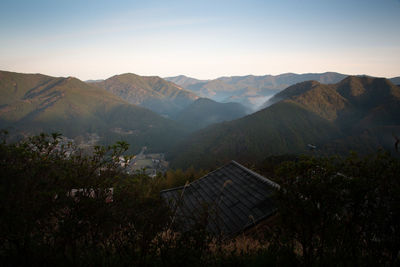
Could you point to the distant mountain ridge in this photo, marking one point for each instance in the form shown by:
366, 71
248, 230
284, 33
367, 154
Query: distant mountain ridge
183, 80
395, 80
251, 91
152, 92
94, 81
351, 94
359, 113
32, 103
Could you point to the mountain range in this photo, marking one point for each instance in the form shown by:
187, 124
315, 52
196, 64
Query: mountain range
33, 103
251, 91
184, 81
359, 113
123, 107
152, 92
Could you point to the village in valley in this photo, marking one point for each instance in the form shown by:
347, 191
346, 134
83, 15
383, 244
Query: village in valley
149, 164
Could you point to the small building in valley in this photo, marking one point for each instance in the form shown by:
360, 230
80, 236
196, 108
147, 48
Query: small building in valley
228, 201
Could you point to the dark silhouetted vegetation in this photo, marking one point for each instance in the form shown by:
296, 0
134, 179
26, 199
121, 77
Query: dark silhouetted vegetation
335, 211
332, 212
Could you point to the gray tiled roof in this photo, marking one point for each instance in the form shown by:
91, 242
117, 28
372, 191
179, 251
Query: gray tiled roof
233, 197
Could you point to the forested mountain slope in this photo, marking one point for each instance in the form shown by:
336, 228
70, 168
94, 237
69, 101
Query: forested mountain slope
152, 92
32, 103
358, 113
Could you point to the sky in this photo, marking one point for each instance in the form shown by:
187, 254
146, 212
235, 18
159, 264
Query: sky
201, 39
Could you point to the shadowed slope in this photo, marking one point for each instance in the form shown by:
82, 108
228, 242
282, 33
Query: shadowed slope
251, 91
359, 113
152, 92
283, 128
31, 103
204, 112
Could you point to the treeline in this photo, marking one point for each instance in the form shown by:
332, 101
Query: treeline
340, 211
64, 209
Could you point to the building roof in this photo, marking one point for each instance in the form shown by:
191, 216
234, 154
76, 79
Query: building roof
233, 197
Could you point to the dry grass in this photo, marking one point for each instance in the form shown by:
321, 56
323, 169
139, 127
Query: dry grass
241, 245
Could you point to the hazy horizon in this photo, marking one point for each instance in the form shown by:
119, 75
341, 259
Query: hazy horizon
209, 79
200, 39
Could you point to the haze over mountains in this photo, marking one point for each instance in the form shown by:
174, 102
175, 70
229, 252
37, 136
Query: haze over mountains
170, 100
118, 108
154, 93
359, 113
204, 112
251, 91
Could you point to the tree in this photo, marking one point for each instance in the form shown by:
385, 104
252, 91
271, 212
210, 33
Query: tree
44, 223
341, 211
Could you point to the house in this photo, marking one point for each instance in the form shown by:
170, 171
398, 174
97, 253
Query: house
229, 200
92, 193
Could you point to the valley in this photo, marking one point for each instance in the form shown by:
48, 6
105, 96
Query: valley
150, 164
199, 133
357, 113
251, 91
333, 113
34, 103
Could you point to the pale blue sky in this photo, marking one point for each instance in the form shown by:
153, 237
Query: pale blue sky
203, 39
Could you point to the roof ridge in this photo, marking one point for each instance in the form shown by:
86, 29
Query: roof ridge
172, 189
228, 214
258, 176
223, 166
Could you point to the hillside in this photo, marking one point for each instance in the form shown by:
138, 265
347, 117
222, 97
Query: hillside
346, 102
183, 80
154, 93
204, 112
251, 91
284, 128
32, 103
322, 99
359, 113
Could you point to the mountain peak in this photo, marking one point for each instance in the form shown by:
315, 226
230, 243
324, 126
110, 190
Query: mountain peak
204, 100
335, 117
363, 89
152, 92
32, 103
297, 89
